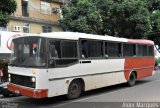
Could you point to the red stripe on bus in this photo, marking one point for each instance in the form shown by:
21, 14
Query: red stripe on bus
40, 93
138, 41
143, 66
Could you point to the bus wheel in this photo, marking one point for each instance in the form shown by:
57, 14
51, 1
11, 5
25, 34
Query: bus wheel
74, 90
132, 79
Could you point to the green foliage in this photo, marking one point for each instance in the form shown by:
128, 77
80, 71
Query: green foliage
7, 7
154, 9
155, 17
123, 18
82, 16
157, 61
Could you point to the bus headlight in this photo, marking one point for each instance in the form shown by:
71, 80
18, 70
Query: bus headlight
33, 79
9, 77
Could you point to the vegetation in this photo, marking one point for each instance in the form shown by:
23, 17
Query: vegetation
82, 16
122, 18
7, 7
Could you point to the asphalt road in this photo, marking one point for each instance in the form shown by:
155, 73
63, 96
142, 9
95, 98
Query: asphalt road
145, 94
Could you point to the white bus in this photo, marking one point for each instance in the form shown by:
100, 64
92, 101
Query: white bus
68, 63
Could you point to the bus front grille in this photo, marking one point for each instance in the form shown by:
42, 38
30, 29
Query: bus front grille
22, 80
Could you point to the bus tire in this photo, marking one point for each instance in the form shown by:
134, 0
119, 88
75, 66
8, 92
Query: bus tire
74, 89
132, 79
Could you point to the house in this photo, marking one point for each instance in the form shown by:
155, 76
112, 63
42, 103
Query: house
35, 16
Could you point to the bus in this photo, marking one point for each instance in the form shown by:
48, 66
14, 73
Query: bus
69, 63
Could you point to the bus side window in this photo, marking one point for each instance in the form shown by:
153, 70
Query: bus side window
84, 48
112, 49
54, 52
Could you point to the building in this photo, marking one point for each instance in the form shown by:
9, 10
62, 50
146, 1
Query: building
35, 16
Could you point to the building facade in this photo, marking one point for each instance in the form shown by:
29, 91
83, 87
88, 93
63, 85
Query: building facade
35, 16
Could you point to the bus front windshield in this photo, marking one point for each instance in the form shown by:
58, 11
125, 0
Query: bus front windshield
28, 52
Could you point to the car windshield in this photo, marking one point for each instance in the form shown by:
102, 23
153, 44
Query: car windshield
28, 52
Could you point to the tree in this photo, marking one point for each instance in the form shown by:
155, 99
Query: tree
125, 18
155, 18
154, 9
7, 7
122, 18
81, 16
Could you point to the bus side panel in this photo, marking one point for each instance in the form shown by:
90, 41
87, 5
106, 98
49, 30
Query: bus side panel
103, 73
143, 66
96, 74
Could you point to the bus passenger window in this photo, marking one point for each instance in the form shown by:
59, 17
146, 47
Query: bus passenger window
142, 50
53, 51
150, 51
112, 49
129, 50
95, 49
62, 53
84, 49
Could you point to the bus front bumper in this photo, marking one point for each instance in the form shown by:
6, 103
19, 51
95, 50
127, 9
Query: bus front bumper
34, 93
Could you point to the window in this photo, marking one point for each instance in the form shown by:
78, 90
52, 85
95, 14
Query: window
69, 49
46, 29
129, 50
95, 49
112, 49
150, 51
57, 48
25, 8
91, 49
62, 53
26, 28
28, 52
46, 7
142, 50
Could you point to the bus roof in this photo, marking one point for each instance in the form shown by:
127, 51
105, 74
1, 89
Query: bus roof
77, 36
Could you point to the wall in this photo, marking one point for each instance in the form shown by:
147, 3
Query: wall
36, 19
